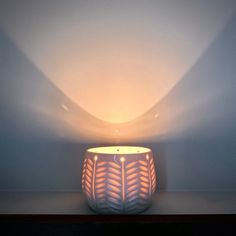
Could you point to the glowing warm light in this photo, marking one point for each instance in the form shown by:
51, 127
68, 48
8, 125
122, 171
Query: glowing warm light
119, 150
111, 71
115, 68
119, 187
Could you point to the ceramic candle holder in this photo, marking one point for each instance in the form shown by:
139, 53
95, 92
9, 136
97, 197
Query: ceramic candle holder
119, 179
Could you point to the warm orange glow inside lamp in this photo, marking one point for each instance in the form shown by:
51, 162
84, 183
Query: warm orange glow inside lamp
119, 179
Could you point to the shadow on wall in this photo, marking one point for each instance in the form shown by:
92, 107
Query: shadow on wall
35, 106
202, 104
34, 147
191, 131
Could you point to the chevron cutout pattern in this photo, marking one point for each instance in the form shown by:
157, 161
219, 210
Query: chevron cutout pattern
119, 187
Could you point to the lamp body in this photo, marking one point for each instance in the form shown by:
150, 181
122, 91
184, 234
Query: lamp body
119, 180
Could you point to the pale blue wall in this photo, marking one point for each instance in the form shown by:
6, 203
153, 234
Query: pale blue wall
200, 155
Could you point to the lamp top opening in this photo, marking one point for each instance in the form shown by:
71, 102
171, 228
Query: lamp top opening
119, 150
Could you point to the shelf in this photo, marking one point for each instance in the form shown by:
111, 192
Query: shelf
74, 203
67, 213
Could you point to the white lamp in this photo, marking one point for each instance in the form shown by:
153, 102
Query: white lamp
119, 179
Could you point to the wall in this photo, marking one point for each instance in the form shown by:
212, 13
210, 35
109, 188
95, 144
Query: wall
193, 138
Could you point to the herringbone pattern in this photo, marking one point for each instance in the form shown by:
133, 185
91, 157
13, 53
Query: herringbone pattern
119, 187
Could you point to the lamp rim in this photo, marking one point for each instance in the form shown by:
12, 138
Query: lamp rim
124, 150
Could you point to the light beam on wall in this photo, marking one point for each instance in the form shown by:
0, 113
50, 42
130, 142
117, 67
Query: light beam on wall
115, 60
87, 73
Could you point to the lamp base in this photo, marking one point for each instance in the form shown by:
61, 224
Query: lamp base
122, 211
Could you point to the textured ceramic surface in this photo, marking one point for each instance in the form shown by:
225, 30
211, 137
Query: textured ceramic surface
119, 180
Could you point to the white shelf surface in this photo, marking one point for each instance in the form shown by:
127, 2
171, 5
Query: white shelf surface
74, 203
